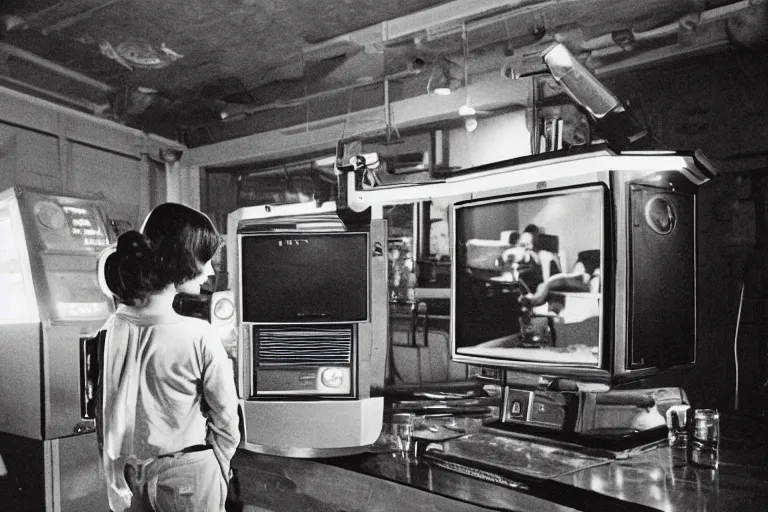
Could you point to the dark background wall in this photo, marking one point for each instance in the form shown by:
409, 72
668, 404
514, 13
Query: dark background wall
718, 104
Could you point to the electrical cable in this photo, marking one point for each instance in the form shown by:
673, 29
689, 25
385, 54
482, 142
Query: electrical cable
306, 90
761, 231
736, 348
753, 261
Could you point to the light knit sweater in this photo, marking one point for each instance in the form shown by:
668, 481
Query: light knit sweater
167, 385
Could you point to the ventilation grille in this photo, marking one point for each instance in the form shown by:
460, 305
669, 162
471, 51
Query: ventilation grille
300, 346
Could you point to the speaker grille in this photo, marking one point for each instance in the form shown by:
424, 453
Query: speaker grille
303, 346
663, 278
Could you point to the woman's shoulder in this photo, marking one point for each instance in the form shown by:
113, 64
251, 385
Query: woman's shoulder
195, 324
190, 331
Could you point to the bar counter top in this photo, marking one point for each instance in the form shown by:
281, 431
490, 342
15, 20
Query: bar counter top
664, 479
369, 482
661, 478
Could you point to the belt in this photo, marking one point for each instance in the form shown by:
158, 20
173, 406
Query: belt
188, 449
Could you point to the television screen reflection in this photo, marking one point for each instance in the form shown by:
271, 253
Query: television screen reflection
528, 277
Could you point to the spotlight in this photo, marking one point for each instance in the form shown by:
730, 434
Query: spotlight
470, 123
620, 128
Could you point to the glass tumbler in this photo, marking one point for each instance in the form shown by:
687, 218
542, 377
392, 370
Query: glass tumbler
402, 434
704, 451
678, 417
706, 426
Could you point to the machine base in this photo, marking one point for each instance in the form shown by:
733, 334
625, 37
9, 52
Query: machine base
617, 443
308, 429
304, 453
613, 420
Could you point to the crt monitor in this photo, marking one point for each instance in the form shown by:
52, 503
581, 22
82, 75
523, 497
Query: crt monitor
303, 279
295, 277
527, 279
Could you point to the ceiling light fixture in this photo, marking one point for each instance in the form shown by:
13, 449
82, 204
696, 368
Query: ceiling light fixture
445, 77
469, 114
438, 83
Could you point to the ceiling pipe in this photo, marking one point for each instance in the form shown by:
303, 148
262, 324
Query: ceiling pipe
71, 20
85, 105
724, 12
717, 42
238, 110
12, 51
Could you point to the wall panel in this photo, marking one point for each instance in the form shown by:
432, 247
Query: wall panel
96, 172
47, 146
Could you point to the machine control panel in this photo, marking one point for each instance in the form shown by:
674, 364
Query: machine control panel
325, 380
517, 405
555, 410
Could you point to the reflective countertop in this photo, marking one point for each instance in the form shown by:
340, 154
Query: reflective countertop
661, 478
666, 478
516, 474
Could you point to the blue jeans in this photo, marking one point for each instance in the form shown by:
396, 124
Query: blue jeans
181, 482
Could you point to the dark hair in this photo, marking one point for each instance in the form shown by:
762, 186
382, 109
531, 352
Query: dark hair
175, 242
532, 229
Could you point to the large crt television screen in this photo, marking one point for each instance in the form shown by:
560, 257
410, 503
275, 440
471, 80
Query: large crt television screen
304, 277
527, 279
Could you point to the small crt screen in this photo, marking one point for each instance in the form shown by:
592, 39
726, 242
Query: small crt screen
86, 224
304, 278
77, 296
527, 277
68, 224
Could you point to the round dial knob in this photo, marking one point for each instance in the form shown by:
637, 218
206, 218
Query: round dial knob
332, 377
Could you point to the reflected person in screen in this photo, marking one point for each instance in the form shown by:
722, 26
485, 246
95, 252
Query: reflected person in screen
525, 260
168, 414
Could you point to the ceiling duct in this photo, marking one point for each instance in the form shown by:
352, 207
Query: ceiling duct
26, 72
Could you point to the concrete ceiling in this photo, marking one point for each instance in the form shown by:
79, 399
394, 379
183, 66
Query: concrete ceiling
179, 68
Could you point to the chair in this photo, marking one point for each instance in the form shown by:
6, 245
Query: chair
547, 247
590, 259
